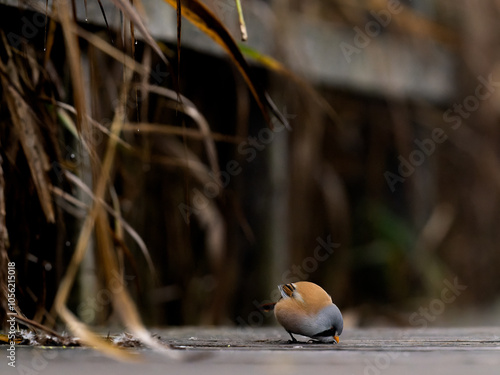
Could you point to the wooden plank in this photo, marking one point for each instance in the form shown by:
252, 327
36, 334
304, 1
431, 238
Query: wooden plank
220, 351
375, 339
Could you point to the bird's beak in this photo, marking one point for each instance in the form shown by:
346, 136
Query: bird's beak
336, 338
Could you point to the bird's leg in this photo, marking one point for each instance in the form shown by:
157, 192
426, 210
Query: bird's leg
293, 338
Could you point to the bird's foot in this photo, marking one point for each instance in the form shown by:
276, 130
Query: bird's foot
293, 339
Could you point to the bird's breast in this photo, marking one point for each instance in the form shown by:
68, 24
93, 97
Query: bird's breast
294, 318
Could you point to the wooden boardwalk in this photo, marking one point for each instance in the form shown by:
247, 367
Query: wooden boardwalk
206, 351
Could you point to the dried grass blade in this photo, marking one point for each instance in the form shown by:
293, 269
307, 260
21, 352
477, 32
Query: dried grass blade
135, 236
187, 107
25, 125
198, 14
50, 28
76, 327
89, 338
118, 215
71, 200
38, 161
179, 32
113, 52
96, 212
35, 324
105, 20
134, 16
73, 55
212, 222
97, 218
210, 218
147, 127
126, 309
69, 124
122, 302
243, 26
276, 66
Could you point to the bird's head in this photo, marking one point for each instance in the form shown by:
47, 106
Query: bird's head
331, 317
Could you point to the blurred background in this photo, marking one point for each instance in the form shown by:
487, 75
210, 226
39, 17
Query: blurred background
385, 190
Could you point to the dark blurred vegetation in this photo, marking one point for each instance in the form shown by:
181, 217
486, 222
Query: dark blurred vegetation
217, 256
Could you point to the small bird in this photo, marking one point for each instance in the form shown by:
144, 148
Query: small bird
306, 309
